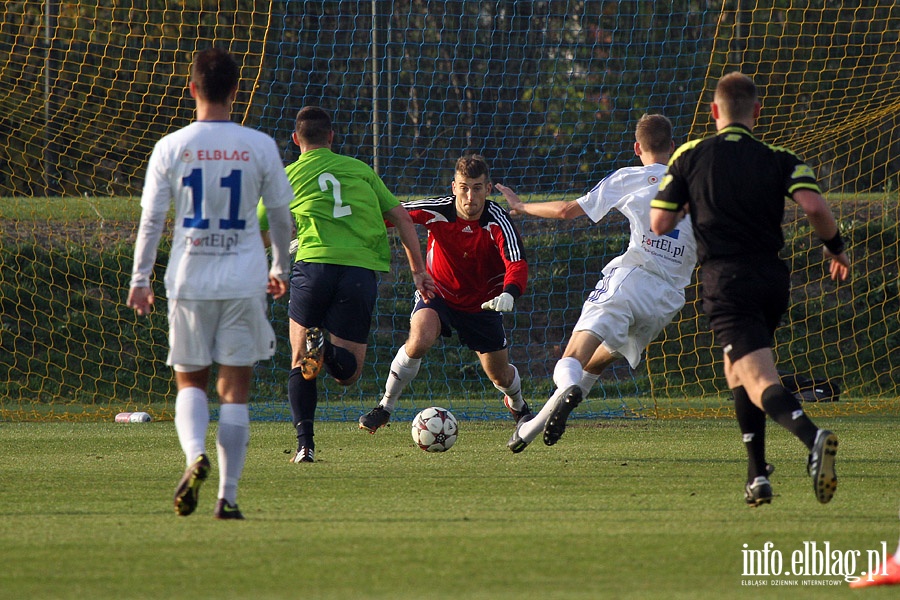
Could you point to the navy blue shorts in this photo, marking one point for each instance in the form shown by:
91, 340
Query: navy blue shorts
481, 331
745, 301
337, 298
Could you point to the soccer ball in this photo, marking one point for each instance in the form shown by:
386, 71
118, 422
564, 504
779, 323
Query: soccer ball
435, 429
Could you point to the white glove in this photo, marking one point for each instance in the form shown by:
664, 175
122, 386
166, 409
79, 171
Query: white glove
502, 303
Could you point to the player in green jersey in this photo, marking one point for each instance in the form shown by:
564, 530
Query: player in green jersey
340, 206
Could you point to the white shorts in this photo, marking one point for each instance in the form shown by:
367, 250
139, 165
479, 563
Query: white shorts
235, 333
628, 309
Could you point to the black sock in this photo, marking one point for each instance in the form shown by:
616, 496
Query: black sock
752, 422
303, 398
785, 410
339, 362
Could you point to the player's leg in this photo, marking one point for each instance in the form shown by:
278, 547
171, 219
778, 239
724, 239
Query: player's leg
424, 329
233, 436
756, 372
244, 336
191, 334
568, 374
302, 395
191, 424
505, 378
348, 319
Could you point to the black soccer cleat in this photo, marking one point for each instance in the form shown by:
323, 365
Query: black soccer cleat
374, 419
304, 455
516, 443
758, 492
821, 465
226, 510
312, 361
556, 424
188, 490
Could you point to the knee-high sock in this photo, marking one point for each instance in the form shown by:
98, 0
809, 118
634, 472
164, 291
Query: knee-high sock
192, 421
339, 362
752, 423
231, 444
785, 410
514, 390
566, 373
303, 397
403, 370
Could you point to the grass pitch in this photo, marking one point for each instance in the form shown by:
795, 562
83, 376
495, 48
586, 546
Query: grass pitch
636, 509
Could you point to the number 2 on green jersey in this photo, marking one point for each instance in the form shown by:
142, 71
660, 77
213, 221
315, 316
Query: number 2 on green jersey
339, 209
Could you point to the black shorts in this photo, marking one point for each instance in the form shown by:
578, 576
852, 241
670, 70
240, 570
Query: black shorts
481, 331
745, 300
337, 298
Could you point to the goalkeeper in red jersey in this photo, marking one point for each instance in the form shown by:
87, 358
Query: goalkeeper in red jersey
477, 260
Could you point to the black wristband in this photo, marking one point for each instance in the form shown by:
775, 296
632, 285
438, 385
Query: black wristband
835, 245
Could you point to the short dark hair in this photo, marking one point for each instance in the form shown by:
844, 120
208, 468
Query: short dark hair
216, 74
313, 125
736, 95
473, 166
654, 133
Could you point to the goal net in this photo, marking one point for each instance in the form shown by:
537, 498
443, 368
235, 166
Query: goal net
549, 92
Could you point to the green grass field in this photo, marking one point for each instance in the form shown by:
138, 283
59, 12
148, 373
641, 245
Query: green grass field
635, 509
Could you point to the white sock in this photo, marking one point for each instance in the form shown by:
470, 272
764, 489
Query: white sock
514, 391
403, 370
231, 443
567, 372
191, 422
587, 382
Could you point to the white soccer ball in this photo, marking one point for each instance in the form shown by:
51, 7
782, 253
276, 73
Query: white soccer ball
435, 429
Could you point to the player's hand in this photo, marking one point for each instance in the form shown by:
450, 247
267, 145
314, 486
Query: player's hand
502, 303
140, 299
840, 265
424, 284
516, 206
277, 287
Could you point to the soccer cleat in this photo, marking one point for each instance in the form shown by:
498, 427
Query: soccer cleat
887, 573
821, 465
311, 363
758, 492
226, 510
188, 490
556, 424
375, 418
304, 455
518, 415
516, 443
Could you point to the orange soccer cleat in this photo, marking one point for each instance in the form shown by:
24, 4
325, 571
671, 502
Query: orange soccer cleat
878, 577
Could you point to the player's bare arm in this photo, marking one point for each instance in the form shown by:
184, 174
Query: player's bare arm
663, 221
822, 220
410, 240
557, 209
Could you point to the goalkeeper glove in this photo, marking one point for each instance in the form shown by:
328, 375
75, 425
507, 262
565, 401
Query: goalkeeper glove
502, 303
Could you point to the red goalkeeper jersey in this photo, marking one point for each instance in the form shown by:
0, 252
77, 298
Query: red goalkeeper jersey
471, 262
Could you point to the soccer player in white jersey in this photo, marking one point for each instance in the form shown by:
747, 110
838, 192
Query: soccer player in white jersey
217, 277
640, 293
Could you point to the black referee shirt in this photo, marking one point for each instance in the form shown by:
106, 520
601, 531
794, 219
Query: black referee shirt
735, 186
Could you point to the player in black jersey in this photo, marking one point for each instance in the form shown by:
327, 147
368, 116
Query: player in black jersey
734, 187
